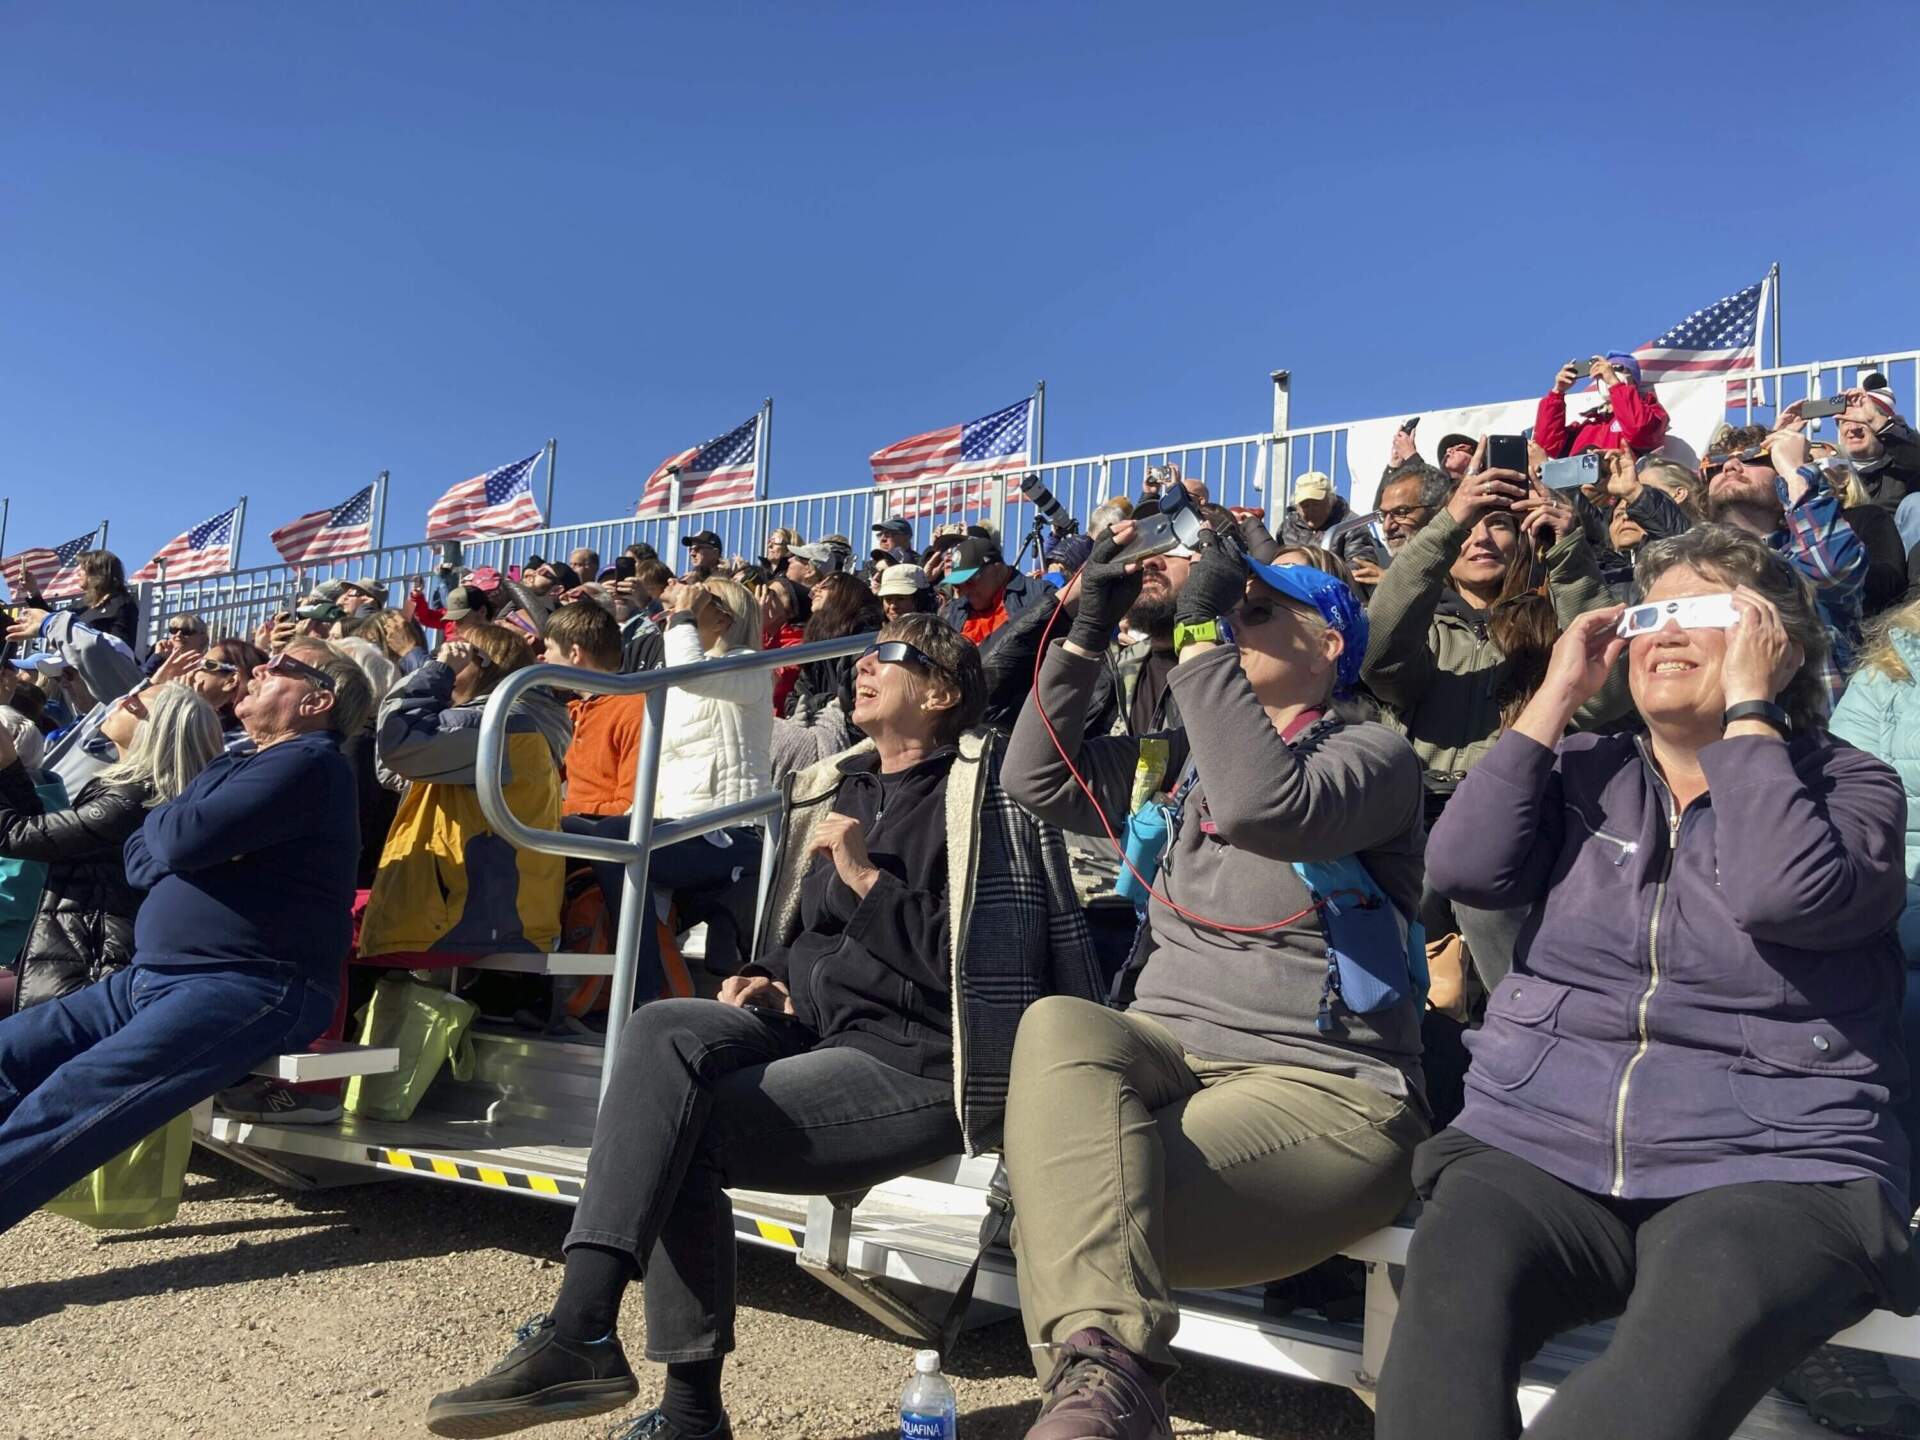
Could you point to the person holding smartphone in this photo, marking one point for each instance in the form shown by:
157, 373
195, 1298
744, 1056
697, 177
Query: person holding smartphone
1632, 414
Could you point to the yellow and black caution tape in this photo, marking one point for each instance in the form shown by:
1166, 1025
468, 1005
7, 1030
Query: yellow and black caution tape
552, 1186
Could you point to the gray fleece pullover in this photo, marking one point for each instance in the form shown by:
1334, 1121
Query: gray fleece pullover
1260, 803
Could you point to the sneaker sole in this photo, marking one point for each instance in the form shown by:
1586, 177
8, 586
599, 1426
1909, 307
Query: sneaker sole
479, 1419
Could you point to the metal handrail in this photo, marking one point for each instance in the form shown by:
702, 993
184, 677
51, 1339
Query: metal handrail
643, 835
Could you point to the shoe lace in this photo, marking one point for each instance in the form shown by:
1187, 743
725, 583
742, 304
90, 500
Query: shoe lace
1079, 1372
529, 1328
654, 1422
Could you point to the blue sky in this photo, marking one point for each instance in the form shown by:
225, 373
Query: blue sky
274, 248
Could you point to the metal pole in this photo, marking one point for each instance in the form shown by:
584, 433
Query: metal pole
1775, 277
546, 514
636, 896
100, 537
379, 512
239, 528
763, 462
1280, 449
6, 505
673, 518
1039, 447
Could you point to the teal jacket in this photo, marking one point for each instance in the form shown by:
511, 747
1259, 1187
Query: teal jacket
1881, 715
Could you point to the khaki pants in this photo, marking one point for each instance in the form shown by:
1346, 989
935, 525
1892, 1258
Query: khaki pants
1137, 1169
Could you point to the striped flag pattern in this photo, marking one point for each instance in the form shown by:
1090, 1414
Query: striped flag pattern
1723, 339
346, 529
499, 502
724, 471
206, 549
996, 442
52, 573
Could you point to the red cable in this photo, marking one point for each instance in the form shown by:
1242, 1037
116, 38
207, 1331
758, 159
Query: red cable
1106, 825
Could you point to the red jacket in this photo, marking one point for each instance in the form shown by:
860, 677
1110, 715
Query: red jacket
1631, 418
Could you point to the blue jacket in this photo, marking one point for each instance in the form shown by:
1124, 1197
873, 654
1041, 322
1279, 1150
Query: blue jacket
1698, 1000
255, 861
1882, 716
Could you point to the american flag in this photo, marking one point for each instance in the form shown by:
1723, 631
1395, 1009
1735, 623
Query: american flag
206, 549
723, 471
996, 442
51, 572
1722, 339
346, 529
499, 502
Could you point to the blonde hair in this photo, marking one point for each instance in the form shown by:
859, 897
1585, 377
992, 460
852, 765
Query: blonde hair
179, 738
743, 609
1878, 652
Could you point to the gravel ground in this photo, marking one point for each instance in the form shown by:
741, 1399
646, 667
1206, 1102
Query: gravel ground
340, 1312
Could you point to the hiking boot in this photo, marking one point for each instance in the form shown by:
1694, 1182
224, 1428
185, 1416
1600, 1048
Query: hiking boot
543, 1378
654, 1425
1099, 1390
271, 1103
1854, 1392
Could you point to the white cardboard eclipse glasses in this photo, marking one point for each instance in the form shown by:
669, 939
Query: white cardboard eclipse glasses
1691, 612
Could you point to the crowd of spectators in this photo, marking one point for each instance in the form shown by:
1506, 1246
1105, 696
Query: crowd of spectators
1616, 774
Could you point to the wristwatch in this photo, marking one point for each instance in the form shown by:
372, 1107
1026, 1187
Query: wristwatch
1215, 632
1765, 711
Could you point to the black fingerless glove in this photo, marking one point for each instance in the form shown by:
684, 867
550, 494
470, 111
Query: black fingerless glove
1215, 585
1107, 592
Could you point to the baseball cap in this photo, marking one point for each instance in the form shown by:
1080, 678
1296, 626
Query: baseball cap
369, 587
970, 556
902, 580
703, 537
830, 559
1330, 597
465, 600
485, 578
1314, 485
893, 525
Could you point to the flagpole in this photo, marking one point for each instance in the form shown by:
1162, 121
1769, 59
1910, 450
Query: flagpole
239, 527
380, 511
100, 537
1039, 422
763, 444
1774, 275
547, 509
6, 504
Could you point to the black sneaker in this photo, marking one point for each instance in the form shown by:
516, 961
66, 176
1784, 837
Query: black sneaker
543, 1378
1854, 1392
654, 1425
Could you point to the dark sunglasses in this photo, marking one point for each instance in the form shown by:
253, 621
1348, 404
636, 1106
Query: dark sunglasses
285, 664
219, 667
898, 652
182, 630
1716, 463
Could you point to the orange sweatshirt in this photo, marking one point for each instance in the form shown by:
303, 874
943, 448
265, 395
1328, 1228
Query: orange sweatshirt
605, 749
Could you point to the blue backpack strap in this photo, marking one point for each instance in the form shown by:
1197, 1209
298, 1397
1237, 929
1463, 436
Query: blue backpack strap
1376, 955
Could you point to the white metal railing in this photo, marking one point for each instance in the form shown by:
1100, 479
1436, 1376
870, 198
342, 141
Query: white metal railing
644, 835
1247, 470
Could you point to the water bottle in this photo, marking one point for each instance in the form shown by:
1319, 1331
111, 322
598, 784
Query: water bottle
927, 1407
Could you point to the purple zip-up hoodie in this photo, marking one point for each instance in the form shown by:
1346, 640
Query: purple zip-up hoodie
1698, 999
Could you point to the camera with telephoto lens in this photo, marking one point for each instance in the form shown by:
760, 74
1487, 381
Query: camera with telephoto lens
1050, 509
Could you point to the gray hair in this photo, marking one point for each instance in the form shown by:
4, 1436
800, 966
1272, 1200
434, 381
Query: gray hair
1436, 486
179, 738
382, 674
1107, 515
1734, 557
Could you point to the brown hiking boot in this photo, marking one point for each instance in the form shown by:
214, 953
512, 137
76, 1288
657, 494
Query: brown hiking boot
1099, 1390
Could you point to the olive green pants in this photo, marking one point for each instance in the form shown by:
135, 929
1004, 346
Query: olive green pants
1138, 1169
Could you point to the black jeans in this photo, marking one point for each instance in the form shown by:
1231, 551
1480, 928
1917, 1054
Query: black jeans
1719, 1294
706, 1095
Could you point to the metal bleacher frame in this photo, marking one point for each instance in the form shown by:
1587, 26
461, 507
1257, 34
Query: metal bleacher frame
524, 1122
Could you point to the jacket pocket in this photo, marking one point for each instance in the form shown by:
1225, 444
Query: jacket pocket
1518, 1034
1805, 1075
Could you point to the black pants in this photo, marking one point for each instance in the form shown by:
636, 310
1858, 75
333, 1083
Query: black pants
1719, 1294
706, 1095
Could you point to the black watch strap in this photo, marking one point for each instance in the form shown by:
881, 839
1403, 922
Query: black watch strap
1764, 711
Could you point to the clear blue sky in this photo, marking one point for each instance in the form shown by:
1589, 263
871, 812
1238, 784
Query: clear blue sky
274, 248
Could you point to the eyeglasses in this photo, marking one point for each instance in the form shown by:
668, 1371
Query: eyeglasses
285, 664
898, 652
183, 630
1405, 512
218, 667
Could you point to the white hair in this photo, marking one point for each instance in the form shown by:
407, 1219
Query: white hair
374, 663
179, 738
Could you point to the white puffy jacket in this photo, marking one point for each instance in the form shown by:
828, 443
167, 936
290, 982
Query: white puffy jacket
716, 745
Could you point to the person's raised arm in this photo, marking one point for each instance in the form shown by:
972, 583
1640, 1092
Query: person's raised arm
1550, 417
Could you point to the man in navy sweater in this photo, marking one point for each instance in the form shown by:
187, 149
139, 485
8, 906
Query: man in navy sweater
237, 946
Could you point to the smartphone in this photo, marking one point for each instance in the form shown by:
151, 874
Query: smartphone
1410, 426
1572, 472
1816, 409
624, 567
1507, 452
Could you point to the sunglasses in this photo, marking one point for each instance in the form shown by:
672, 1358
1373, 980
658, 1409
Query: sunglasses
182, 630
285, 664
898, 652
1694, 612
1756, 455
219, 667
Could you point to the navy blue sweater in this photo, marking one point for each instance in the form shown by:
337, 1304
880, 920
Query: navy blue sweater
254, 861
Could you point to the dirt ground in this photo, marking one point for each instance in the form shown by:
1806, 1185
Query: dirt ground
340, 1312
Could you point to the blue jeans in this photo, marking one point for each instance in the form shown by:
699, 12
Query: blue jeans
84, 1076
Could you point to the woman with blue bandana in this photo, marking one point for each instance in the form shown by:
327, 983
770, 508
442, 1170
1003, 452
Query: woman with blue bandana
1256, 1105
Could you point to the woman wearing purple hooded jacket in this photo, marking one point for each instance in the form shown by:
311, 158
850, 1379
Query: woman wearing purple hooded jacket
1678, 1111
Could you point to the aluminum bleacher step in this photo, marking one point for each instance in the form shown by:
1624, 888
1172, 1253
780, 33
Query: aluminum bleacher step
529, 963
330, 1060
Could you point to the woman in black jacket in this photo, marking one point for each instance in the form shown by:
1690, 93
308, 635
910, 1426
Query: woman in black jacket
83, 927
